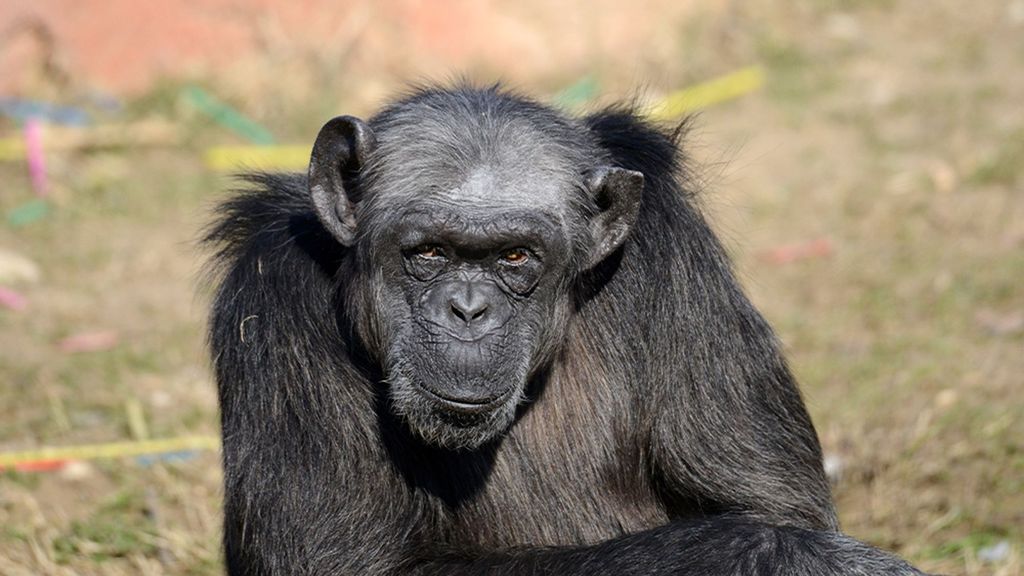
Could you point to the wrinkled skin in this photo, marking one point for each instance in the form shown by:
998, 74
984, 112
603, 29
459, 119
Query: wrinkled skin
471, 299
474, 302
470, 272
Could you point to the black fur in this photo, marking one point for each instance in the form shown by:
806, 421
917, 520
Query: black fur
659, 432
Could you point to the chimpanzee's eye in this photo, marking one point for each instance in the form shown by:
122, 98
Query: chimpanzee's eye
515, 256
428, 251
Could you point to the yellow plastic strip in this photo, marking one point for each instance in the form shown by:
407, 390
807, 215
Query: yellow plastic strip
708, 93
112, 450
12, 149
223, 158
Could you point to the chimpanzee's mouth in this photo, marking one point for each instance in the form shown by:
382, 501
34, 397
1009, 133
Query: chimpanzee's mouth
468, 405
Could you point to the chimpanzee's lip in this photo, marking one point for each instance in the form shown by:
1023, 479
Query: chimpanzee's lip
466, 405
474, 337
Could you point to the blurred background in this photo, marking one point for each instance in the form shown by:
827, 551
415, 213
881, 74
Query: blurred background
865, 169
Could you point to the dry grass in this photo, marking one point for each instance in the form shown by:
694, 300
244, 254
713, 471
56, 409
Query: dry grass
894, 131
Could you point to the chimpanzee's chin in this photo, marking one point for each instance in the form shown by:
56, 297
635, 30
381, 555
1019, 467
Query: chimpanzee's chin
461, 430
455, 425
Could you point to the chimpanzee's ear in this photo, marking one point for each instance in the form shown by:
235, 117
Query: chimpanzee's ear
340, 151
617, 193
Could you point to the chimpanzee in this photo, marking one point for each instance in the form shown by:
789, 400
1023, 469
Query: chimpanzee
482, 337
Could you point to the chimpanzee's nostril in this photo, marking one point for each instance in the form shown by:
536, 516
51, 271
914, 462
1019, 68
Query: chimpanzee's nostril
468, 302
468, 311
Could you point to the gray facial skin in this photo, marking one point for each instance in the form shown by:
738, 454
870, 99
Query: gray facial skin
471, 278
470, 232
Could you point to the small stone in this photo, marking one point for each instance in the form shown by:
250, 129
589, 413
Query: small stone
995, 553
946, 398
15, 268
1000, 324
161, 399
943, 177
76, 471
843, 27
834, 468
1015, 12
881, 93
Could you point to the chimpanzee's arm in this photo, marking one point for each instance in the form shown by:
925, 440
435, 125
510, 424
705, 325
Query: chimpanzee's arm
719, 546
289, 511
306, 490
728, 429
304, 470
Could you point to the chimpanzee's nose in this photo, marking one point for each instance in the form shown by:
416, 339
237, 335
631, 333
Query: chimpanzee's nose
468, 304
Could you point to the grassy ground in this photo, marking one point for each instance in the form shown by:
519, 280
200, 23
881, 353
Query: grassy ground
890, 133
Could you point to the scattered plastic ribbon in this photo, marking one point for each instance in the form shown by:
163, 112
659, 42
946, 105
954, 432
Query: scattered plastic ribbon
35, 156
708, 93
23, 110
50, 458
577, 94
12, 300
228, 117
258, 157
28, 212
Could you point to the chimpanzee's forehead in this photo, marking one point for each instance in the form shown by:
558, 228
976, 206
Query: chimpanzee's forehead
486, 160
448, 217
489, 187
501, 188
483, 205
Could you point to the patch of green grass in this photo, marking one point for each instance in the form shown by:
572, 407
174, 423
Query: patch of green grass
119, 528
1003, 167
972, 542
204, 566
109, 366
14, 533
28, 480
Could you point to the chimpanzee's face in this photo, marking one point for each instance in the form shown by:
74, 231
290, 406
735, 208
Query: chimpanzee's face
472, 299
468, 230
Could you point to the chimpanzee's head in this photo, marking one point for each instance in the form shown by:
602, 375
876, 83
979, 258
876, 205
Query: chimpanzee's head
470, 215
